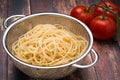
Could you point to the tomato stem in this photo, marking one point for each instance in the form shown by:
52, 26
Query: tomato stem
89, 8
117, 27
103, 15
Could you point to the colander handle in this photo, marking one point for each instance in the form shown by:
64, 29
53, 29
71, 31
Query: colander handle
13, 17
89, 65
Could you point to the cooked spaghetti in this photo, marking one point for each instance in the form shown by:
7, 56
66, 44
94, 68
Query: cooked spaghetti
49, 45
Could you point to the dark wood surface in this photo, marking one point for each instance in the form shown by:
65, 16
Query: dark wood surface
108, 66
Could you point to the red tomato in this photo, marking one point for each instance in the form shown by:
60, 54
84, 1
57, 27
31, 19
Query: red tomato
82, 13
113, 7
103, 29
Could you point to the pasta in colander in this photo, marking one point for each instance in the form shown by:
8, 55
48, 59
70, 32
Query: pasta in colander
49, 45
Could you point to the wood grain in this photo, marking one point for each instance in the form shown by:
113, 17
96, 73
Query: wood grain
3, 56
15, 7
18, 7
3, 61
3, 12
108, 66
39, 6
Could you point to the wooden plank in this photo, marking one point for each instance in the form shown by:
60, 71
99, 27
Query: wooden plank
15, 7
3, 56
64, 6
18, 7
14, 73
87, 2
108, 67
60, 6
3, 12
3, 60
38, 6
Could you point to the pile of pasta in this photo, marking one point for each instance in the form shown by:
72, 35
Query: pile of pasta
49, 45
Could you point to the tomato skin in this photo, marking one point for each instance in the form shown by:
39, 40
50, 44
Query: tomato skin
102, 29
113, 7
80, 13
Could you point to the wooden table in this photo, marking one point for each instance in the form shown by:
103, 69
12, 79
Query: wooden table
108, 66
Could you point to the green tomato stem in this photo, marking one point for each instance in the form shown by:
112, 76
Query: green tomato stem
104, 15
90, 7
117, 27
